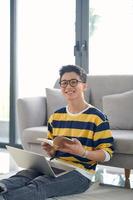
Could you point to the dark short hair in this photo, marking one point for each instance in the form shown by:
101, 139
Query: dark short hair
73, 68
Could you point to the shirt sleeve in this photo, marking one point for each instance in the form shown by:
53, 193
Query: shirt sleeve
50, 128
107, 156
103, 139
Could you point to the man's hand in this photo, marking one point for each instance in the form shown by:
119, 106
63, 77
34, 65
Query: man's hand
75, 147
48, 148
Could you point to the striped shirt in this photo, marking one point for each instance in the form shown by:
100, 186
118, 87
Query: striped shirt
90, 127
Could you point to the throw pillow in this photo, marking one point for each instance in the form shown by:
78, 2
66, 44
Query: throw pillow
119, 109
56, 100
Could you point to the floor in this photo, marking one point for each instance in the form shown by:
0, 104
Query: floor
110, 176
105, 175
7, 165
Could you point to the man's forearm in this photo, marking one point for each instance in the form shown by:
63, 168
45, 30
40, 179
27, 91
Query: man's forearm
97, 155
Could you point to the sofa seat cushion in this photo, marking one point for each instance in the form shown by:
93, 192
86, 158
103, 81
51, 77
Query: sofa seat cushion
30, 135
123, 141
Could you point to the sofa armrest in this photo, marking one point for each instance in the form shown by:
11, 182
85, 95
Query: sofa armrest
31, 112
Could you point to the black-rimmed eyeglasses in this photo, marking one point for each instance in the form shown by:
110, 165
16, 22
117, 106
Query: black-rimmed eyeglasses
71, 82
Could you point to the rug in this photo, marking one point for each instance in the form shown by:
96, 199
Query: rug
102, 192
96, 192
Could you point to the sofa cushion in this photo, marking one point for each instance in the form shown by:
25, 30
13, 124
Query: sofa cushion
30, 142
119, 109
56, 100
30, 135
123, 138
101, 85
123, 141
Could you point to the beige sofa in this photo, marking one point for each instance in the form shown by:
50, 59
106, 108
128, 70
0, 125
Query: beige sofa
111, 93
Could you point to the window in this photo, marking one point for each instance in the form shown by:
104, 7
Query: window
37, 38
4, 69
111, 37
46, 37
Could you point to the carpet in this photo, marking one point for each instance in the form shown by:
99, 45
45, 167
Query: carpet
102, 192
96, 192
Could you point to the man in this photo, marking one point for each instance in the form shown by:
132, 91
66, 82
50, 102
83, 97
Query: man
86, 126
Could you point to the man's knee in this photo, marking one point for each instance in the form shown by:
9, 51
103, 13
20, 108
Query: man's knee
29, 173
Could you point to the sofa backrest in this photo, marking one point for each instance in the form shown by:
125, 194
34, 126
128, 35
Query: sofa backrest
102, 85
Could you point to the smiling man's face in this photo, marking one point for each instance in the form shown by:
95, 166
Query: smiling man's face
71, 86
